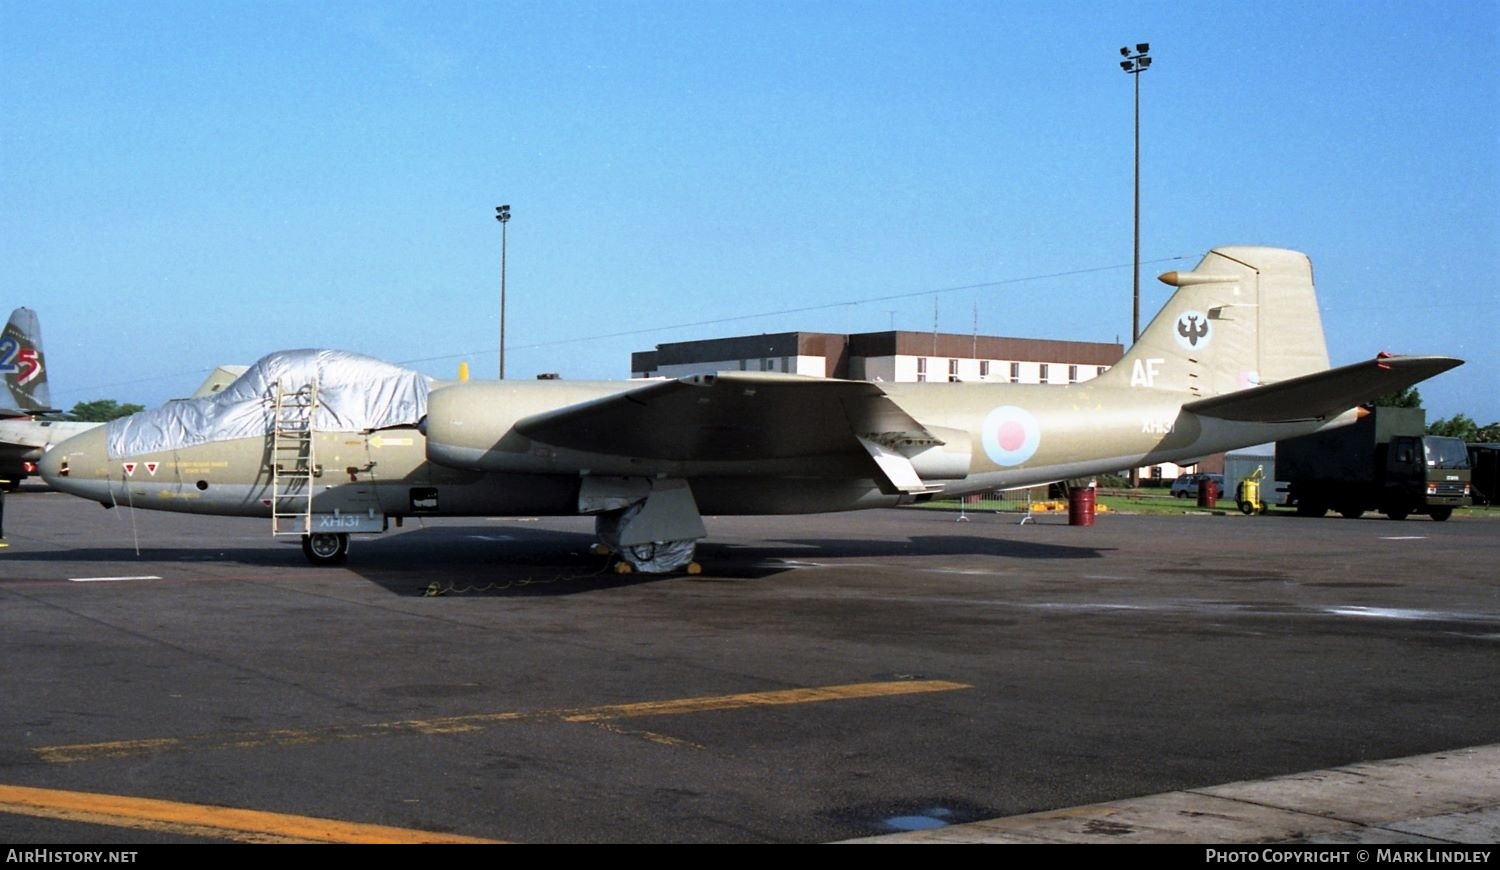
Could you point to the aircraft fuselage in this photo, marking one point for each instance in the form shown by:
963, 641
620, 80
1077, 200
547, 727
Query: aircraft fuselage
1044, 433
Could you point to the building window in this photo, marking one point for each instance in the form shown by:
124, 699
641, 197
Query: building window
768, 365
984, 369
952, 370
921, 368
1015, 373
785, 364
1042, 376
1072, 374
1099, 370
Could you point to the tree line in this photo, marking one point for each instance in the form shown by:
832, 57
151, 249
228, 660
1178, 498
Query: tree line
103, 410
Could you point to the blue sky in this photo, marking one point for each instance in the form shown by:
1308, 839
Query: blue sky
189, 184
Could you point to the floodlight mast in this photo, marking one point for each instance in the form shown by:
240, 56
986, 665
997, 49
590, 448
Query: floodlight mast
502, 214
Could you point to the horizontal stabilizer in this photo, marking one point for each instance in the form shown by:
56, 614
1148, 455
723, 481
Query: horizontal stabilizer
27, 413
1321, 395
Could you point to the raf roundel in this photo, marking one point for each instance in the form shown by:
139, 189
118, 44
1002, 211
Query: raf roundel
1010, 435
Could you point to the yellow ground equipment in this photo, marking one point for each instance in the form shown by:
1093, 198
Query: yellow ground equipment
1248, 497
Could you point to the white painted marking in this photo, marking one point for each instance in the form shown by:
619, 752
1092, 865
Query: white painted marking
1404, 538
111, 579
1143, 373
1407, 613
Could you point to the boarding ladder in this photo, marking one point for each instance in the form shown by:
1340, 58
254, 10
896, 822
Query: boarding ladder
293, 466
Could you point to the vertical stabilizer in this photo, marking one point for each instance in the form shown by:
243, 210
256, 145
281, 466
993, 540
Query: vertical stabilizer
1241, 318
21, 365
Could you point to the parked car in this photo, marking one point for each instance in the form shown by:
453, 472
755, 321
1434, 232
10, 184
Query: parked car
1187, 486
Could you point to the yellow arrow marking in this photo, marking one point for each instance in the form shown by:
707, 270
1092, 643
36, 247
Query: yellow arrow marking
383, 441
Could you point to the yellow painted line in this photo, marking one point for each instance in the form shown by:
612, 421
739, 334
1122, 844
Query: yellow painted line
64, 754
201, 820
764, 699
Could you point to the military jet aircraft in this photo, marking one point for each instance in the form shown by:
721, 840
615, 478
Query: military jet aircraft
327, 443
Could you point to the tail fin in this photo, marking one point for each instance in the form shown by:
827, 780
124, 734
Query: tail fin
21, 366
1242, 317
218, 379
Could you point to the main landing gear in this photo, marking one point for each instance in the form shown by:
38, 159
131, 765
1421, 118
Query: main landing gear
326, 548
652, 524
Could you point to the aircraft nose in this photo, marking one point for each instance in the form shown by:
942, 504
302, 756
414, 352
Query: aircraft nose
79, 465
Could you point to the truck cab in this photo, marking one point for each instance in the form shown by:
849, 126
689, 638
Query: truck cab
1424, 474
1444, 476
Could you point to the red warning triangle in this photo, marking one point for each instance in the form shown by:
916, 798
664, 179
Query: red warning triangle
152, 466
129, 469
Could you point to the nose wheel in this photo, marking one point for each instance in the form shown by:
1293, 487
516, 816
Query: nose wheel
326, 548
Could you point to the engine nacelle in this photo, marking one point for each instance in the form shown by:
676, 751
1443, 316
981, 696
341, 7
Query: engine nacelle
472, 426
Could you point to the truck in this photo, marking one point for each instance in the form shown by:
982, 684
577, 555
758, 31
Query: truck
1384, 462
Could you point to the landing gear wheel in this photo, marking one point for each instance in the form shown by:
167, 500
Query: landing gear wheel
326, 548
1439, 514
1351, 513
1397, 512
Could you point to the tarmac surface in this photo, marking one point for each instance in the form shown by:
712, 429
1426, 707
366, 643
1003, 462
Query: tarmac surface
888, 675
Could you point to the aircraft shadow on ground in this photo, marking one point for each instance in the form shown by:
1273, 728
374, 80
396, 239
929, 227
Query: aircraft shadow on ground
542, 562
545, 562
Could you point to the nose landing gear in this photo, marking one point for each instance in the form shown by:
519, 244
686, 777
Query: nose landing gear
326, 548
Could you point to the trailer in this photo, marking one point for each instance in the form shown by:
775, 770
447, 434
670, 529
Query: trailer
1382, 462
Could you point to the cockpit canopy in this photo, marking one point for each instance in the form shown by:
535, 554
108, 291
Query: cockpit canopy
355, 393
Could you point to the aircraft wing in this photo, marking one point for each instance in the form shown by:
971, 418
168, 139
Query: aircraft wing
729, 416
1323, 394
